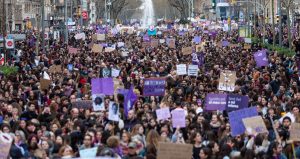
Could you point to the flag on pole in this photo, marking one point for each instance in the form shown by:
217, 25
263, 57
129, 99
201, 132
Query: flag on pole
130, 98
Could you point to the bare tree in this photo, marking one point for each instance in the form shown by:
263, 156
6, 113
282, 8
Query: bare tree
288, 4
182, 6
116, 8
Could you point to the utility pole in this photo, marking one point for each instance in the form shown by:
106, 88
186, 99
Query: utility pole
66, 22
80, 12
4, 30
280, 22
43, 25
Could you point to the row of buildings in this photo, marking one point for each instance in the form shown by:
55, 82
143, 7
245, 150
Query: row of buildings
24, 14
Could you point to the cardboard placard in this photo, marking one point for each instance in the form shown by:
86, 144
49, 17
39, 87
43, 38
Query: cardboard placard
227, 80
55, 69
295, 132
101, 37
154, 43
171, 43
247, 47
44, 84
174, 151
187, 50
97, 48
198, 48
254, 125
109, 49
94, 37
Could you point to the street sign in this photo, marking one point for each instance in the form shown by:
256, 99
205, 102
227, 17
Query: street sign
9, 43
85, 15
46, 36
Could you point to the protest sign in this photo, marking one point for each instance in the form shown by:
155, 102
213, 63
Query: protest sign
295, 132
248, 40
178, 118
102, 86
197, 39
193, 70
247, 47
97, 48
109, 49
187, 50
55, 69
72, 50
198, 48
118, 84
154, 87
105, 72
154, 43
121, 44
94, 37
225, 43
146, 38
227, 80
215, 101
85, 104
181, 69
171, 43
5, 143
236, 117
236, 102
174, 151
101, 37
261, 58
113, 111
88, 153
98, 102
115, 72
80, 36
146, 44
44, 84
163, 113
254, 125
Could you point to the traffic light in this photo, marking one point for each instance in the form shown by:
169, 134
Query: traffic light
277, 18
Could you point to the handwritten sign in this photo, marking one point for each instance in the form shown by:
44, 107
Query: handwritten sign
163, 113
97, 48
88, 153
154, 87
174, 151
255, 125
181, 69
187, 50
227, 80
295, 132
178, 118
193, 70
101, 37
154, 43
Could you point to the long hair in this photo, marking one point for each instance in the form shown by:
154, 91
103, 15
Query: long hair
153, 138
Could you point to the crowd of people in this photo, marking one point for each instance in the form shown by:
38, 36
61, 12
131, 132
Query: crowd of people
44, 124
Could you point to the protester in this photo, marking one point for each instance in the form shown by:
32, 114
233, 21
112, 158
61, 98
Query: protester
58, 119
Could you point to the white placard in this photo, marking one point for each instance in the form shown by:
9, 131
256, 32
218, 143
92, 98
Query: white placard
181, 69
193, 70
115, 72
98, 102
113, 112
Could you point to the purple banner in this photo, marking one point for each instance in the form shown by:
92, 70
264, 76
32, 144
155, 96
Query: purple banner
103, 86
154, 87
197, 40
225, 43
236, 119
236, 102
261, 58
215, 101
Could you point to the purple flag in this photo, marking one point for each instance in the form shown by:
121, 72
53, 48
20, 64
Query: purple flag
215, 101
225, 43
129, 100
236, 119
197, 39
146, 38
261, 58
102, 86
236, 102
